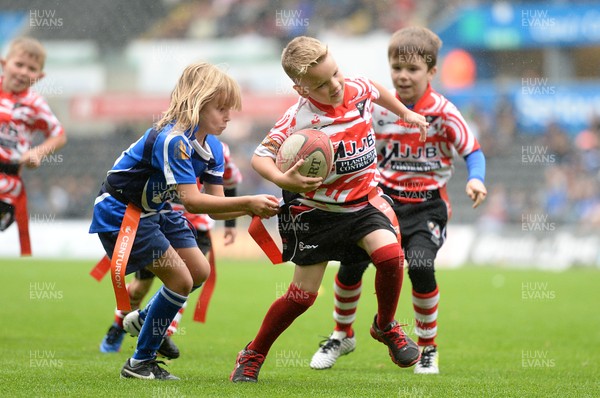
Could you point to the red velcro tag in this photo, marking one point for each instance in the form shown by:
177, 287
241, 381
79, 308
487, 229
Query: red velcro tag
101, 268
22, 219
208, 288
261, 236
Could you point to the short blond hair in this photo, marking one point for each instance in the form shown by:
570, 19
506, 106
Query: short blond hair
415, 41
300, 54
29, 46
199, 84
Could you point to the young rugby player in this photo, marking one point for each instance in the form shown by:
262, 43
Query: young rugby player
23, 113
415, 177
162, 165
141, 284
338, 218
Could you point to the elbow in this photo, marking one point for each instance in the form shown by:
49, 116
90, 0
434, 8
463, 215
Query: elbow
188, 205
253, 162
61, 142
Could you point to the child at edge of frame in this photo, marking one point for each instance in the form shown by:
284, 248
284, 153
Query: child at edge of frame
23, 112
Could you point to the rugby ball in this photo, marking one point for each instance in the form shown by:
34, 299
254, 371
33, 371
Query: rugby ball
313, 146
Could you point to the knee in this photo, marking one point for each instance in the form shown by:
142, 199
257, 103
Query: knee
299, 296
200, 273
182, 285
421, 269
351, 274
388, 256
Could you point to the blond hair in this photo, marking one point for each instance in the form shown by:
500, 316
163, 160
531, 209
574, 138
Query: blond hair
29, 46
199, 84
300, 54
415, 41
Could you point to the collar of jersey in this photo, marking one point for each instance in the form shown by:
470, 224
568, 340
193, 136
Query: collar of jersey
422, 102
331, 110
205, 153
10, 94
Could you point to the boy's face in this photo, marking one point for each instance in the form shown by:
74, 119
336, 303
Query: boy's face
21, 71
323, 83
214, 117
410, 77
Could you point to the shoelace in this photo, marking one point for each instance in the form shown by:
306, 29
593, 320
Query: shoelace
157, 369
427, 358
396, 335
252, 362
329, 344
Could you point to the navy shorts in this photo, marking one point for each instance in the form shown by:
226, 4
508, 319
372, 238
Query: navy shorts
422, 224
203, 241
314, 236
154, 236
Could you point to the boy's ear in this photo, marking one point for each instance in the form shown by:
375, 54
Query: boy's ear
301, 90
431, 73
2, 62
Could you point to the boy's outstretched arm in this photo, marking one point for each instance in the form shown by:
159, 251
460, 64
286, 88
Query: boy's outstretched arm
388, 101
33, 157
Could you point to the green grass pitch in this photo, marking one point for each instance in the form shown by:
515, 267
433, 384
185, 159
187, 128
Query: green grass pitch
502, 333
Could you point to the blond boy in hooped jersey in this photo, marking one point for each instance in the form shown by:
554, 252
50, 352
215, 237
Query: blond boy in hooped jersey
334, 218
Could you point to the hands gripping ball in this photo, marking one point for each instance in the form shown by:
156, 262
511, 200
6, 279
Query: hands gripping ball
313, 146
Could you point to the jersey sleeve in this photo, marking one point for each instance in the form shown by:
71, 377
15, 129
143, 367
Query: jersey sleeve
371, 88
458, 132
174, 157
45, 121
282, 129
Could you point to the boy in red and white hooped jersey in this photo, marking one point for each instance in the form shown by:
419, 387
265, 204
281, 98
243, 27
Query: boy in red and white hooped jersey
414, 175
334, 218
139, 287
22, 114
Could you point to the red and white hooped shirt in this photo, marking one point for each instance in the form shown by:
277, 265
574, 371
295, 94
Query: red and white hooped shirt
21, 116
408, 165
349, 127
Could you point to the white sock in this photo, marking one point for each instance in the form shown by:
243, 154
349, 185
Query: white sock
338, 335
135, 362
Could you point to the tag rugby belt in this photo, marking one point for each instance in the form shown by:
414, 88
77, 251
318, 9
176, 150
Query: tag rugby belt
265, 241
120, 257
14, 208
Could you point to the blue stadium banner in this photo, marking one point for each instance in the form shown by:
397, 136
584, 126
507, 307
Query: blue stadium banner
11, 23
537, 102
503, 25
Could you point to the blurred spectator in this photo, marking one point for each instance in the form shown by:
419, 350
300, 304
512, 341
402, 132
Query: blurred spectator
587, 144
555, 194
505, 126
557, 142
